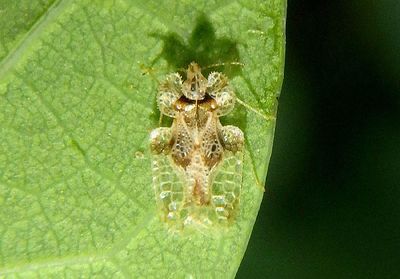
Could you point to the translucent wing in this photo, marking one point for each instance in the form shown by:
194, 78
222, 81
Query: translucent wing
174, 198
169, 186
226, 188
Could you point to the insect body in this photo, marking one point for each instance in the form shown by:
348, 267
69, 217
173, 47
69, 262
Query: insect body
197, 162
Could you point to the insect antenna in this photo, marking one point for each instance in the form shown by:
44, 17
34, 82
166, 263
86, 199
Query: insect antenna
256, 111
234, 63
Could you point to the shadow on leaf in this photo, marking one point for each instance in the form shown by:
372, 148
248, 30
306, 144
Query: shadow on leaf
202, 47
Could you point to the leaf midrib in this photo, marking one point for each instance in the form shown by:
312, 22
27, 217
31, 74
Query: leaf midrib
16, 53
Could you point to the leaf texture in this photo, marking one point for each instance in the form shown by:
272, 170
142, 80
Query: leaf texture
77, 102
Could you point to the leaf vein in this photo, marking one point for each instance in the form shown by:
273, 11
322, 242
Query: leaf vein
15, 55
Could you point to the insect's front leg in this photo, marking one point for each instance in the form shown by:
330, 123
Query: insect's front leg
169, 92
160, 140
232, 138
221, 92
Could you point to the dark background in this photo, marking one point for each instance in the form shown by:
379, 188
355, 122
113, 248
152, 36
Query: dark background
332, 205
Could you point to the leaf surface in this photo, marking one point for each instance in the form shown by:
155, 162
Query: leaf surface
77, 102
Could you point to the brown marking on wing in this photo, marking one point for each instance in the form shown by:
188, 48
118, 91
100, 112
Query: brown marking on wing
199, 194
211, 147
182, 146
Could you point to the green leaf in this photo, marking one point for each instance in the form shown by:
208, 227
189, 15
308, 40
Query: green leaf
77, 102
